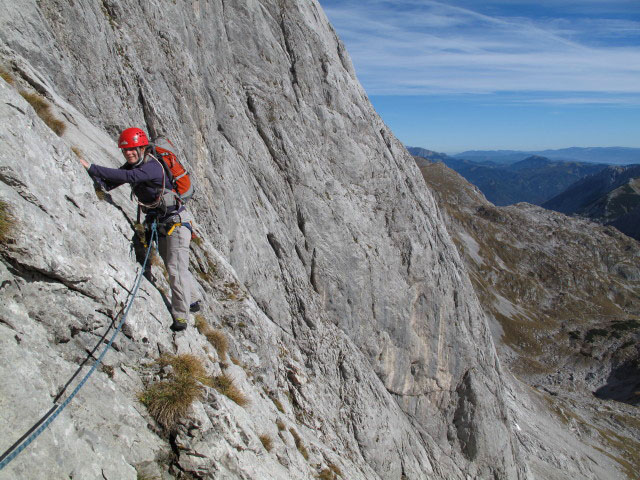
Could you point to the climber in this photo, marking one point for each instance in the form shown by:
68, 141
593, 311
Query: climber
156, 197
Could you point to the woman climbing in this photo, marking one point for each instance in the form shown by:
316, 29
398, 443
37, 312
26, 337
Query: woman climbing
151, 182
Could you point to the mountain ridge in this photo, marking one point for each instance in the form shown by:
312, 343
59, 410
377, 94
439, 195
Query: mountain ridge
534, 179
610, 197
610, 155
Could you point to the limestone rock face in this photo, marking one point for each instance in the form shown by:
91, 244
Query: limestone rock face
324, 259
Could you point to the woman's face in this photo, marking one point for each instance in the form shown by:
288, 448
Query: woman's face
132, 155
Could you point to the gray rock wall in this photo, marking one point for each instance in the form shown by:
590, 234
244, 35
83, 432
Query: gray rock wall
354, 301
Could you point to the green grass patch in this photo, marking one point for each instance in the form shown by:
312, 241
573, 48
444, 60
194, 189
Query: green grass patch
43, 109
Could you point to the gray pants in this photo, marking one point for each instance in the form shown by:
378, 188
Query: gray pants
174, 250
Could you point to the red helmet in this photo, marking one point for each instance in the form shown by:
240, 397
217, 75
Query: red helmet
133, 137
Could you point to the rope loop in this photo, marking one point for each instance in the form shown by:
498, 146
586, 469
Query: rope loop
41, 425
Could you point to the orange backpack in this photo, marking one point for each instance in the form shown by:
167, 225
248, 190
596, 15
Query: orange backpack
180, 179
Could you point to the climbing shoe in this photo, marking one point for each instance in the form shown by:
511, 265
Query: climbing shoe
179, 324
194, 307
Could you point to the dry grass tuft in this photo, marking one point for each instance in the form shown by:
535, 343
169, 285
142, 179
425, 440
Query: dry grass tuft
280, 424
169, 400
267, 442
6, 221
335, 469
139, 228
43, 109
144, 476
326, 474
101, 194
140, 231
299, 445
216, 337
219, 340
224, 384
108, 370
209, 273
6, 76
156, 261
234, 292
186, 365
276, 401
200, 322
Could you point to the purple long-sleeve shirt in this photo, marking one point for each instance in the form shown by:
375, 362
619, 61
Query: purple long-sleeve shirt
145, 179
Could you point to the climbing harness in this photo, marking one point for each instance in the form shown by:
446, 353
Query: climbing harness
180, 224
41, 425
168, 225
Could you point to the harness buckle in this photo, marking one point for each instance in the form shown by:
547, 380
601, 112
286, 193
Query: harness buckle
173, 227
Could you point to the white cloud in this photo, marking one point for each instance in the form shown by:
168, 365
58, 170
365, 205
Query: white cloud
426, 47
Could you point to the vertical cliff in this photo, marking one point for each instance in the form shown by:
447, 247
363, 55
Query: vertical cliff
324, 258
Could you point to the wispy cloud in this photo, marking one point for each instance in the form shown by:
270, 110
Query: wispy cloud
609, 100
428, 47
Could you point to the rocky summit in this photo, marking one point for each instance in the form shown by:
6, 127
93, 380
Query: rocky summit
339, 335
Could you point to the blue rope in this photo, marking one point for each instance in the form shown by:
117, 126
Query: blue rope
52, 416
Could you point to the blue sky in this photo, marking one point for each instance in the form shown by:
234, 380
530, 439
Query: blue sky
459, 75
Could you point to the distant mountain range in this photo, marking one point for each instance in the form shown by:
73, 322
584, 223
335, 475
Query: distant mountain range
611, 197
534, 179
609, 155
606, 194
